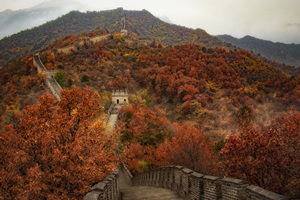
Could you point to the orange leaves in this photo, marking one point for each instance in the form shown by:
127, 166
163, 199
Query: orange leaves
169, 70
68, 40
134, 153
117, 83
188, 148
266, 158
54, 147
143, 125
84, 102
187, 92
118, 38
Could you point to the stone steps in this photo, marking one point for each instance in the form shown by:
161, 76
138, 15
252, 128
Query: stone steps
148, 193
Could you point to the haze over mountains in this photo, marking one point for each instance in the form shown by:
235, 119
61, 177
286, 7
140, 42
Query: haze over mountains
283, 53
12, 22
142, 23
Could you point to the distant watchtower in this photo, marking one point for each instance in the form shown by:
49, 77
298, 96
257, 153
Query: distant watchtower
120, 97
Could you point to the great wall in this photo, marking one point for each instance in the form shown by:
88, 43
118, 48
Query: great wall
169, 182
165, 182
119, 97
51, 83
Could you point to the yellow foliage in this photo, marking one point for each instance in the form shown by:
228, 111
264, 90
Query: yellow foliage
74, 111
105, 99
118, 37
41, 78
98, 124
250, 91
212, 86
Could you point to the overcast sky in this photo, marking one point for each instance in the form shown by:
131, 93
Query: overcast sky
275, 20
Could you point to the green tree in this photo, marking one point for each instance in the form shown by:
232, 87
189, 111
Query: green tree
84, 78
60, 78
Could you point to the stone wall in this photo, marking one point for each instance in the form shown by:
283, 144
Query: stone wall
51, 83
109, 188
195, 186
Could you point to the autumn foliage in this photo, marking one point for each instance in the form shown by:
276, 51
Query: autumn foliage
151, 141
55, 149
268, 158
56, 152
138, 123
190, 148
190, 72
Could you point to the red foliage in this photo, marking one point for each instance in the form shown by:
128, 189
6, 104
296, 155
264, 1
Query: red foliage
270, 159
55, 153
140, 124
66, 41
171, 70
189, 147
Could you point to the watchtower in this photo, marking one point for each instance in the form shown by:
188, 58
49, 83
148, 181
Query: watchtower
120, 97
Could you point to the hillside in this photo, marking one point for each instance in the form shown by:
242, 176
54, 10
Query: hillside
283, 53
141, 22
191, 82
185, 102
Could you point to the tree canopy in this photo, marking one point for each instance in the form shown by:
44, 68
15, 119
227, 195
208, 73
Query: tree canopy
57, 151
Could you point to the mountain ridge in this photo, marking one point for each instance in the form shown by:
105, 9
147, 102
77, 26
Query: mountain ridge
74, 23
279, 52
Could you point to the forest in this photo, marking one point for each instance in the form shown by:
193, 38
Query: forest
75, 23
216, 111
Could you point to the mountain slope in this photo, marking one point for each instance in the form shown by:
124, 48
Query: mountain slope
75, 22
14, 21
283, 53
192, 83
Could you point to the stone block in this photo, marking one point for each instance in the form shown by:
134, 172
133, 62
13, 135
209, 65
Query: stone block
255, 192
93, 195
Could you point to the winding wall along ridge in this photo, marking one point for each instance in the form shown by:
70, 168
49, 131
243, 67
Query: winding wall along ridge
51, 83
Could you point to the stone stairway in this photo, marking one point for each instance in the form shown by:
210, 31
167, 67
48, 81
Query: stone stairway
148, 193
129, 192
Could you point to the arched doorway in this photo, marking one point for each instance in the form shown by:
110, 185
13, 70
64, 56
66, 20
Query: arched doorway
117, 101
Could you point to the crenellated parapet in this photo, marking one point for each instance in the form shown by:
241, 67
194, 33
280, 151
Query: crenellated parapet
183, 181
192, 185
109, 188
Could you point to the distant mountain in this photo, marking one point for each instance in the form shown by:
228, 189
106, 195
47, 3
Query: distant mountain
279, 52
142, 23
14, 21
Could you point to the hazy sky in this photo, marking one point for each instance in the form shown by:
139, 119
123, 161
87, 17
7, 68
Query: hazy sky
276, 20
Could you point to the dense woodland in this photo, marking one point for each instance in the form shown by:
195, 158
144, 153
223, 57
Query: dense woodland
216, 111
141, 22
